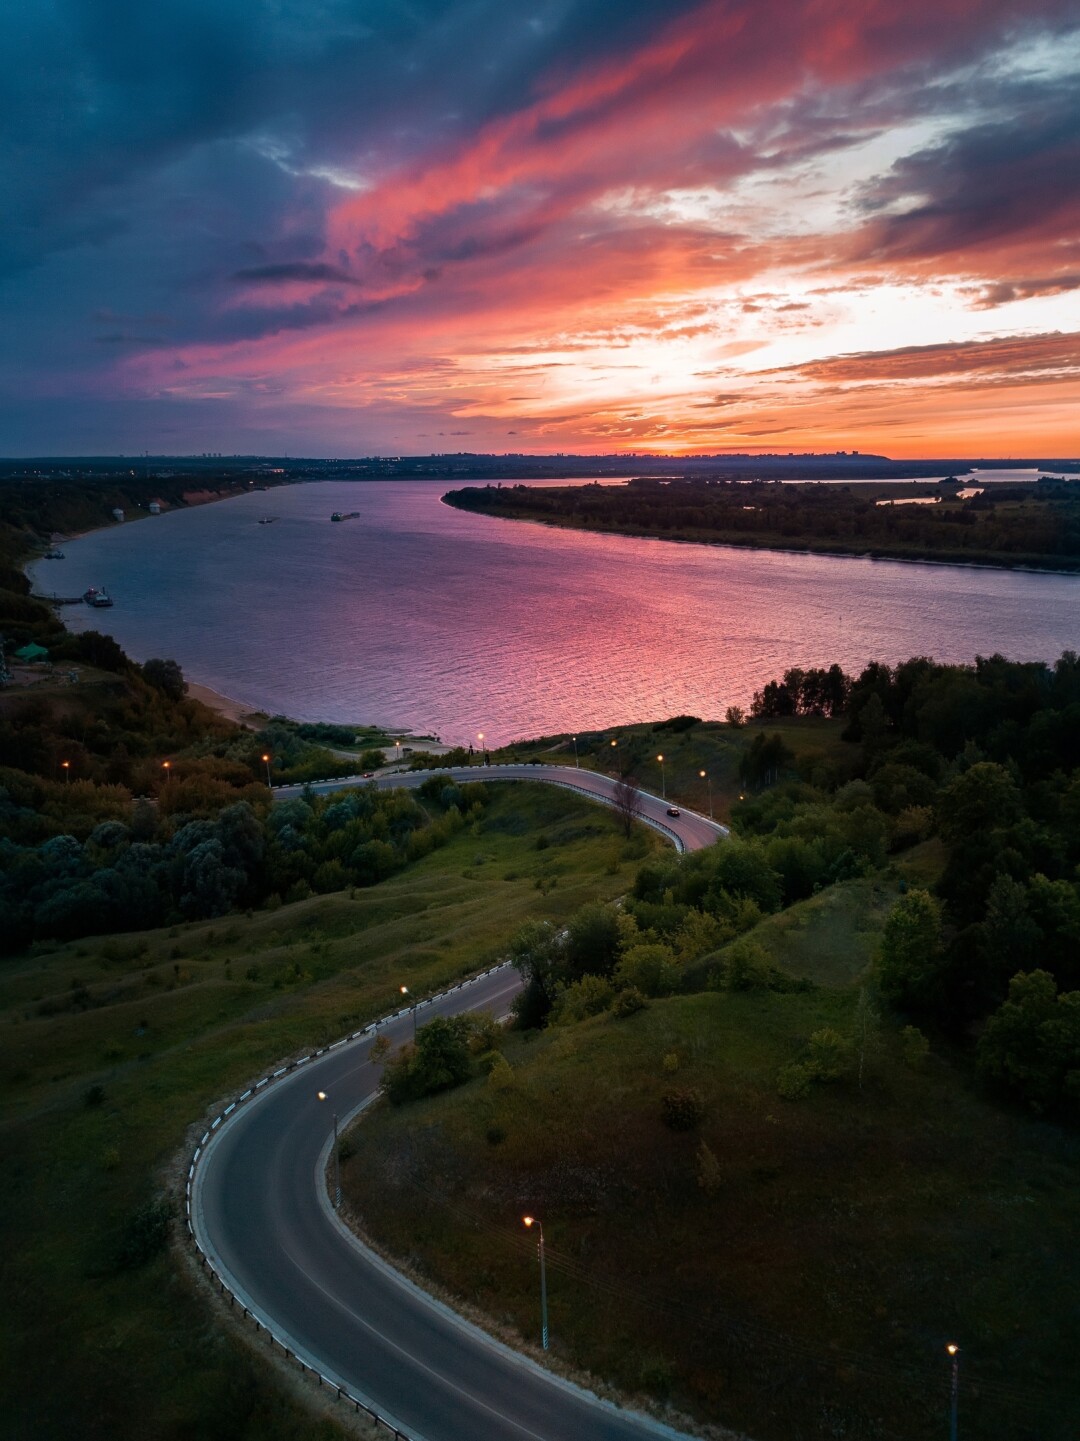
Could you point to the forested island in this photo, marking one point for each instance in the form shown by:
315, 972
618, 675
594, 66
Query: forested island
1034, 525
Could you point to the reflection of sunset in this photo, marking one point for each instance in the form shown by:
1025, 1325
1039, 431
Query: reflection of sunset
690, 228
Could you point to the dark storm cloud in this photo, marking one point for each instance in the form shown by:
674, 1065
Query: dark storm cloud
1001, 180
296, 270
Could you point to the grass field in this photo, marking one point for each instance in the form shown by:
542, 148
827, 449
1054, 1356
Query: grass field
808, 1292
114, 1047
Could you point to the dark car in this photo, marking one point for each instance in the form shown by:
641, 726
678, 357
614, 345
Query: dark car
674, 811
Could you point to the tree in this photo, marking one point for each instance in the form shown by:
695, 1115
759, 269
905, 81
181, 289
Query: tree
909, 967
653, 969
593, 941
626, 799
734, 716
167, 677
1031, 1044
438, 1060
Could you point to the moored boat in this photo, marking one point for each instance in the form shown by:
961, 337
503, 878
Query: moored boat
98, 596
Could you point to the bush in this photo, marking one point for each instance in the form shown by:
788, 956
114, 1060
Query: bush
683, 1108
709, 1175
587, 997
793, 1081
437, 1061
651, 969
144, 1234
830, 1055
914, 1047
628, 1003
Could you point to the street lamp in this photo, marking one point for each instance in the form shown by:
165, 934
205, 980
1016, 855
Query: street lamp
663, 783
66, 766
576, 762
532, 1221
954, 1390
480, 741
166, 766
412, 1006
266, 763
337, 1160
708, 778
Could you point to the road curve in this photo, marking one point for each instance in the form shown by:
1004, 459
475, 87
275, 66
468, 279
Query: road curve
260, 1213
688, 831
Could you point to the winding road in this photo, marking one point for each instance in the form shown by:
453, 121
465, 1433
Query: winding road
261, 1214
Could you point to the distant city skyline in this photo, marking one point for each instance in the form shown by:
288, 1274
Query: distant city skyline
363, 227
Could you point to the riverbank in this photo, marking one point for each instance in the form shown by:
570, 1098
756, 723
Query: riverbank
1003, 532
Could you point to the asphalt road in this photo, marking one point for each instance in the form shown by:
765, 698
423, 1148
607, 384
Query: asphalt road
689, 831
261, 1212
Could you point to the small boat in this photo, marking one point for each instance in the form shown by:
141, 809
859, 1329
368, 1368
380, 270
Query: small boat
339, 515
267, 519
98, 596
54, 554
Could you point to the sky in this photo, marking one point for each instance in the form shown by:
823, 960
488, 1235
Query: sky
352, 227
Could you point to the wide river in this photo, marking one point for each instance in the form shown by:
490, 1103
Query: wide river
426, 618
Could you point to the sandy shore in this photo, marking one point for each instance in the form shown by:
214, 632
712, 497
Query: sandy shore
233, 710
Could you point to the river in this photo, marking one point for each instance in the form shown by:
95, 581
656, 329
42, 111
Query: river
418, 616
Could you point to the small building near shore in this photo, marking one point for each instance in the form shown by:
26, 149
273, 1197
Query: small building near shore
28, 654
118, 514
154, 507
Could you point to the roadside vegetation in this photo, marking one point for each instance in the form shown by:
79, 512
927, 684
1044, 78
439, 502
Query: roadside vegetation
1031, 525
802, 1109
114, 1047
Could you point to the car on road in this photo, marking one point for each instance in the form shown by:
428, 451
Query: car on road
368, 776
674, 811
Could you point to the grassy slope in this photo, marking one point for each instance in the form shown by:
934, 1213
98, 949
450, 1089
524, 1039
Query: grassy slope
852, 1235
166, 1023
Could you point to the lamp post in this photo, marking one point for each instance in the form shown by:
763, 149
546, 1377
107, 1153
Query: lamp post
480, 740
412, 1006
708, 779
954, 1389
166, 766
576, 762
66, 766
266, 763
337, 1160
529, 1222
663, 782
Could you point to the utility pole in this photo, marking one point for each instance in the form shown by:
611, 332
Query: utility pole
532, 1221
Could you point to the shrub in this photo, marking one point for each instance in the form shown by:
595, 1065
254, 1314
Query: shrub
671, 1062
829, 1055
914, 1047
144, 1234
628, 1003
586, 997
682, 1108
94, 1096
651, 969
495, 1135
793, 1081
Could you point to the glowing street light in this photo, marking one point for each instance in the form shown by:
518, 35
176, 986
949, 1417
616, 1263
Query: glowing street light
337, 1160
576, 762
166, 766
266, 763
954, 1389
412, 1006
663, 782
529, 1222
66, 766
480, 742
708, 778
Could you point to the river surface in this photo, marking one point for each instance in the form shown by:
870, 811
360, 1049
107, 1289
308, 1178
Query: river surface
418, 616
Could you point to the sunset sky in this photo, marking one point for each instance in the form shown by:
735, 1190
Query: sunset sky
342, 227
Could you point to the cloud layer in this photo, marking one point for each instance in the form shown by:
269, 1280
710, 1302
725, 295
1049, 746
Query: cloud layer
344, 226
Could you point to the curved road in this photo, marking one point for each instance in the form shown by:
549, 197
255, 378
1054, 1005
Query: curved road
688, 832
260, 1212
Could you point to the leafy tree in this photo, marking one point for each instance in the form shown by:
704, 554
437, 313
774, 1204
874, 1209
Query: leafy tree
910, 965
593, 941
439, 1060
588, 996
1031, 1045
165, 676
682, 1108
652, 969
